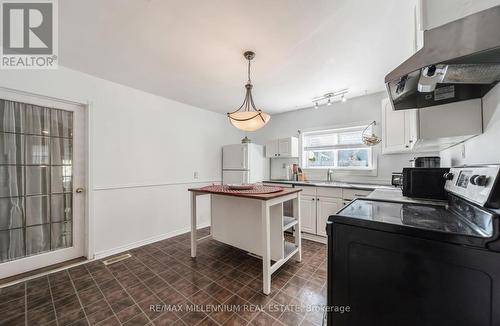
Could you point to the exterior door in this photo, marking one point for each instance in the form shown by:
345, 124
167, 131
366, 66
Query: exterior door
42, 178
308, 213
326, 207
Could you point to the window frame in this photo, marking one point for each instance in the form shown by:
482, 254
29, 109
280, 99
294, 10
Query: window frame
337, 130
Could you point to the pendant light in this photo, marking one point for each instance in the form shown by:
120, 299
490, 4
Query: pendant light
247, 117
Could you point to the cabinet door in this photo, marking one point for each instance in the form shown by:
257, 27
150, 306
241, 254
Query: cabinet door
326, 206
398, 128
411, 127
272, 148
285, 147
308, 214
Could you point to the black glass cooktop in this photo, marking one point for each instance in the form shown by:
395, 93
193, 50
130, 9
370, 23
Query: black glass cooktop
462, 219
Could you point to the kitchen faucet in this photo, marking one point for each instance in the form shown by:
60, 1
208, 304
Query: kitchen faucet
329, 175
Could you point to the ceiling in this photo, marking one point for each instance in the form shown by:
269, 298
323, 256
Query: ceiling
191, 50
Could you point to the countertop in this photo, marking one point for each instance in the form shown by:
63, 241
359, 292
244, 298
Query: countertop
334, 184
396, 194
284, 192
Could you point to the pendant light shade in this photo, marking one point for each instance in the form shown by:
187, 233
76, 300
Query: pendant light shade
247, 117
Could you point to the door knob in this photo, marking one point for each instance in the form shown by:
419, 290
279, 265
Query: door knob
79, 190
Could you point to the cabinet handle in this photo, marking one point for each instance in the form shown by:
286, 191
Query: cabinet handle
317, 199
313, 198
411, 141
407, 146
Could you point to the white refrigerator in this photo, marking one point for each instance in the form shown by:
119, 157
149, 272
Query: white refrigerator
243, 163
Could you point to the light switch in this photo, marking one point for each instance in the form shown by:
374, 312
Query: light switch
195, 174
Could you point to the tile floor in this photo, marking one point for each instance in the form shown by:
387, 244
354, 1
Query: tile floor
162, 285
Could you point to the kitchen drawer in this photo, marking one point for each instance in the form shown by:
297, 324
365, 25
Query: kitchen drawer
329, 192
354, 193
308, 191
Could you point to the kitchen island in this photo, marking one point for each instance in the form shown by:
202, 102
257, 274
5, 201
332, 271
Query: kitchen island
254, 223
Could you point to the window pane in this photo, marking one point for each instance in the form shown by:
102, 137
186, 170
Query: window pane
320, 140
320, 158
350, 138
353, 158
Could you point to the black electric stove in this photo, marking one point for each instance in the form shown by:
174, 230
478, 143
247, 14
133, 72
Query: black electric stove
404, 263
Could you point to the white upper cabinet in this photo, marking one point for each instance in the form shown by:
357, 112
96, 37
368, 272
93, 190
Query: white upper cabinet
399, 129
283, 147
429, 129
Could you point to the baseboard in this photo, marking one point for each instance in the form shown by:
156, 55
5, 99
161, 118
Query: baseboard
110, 252
314, 237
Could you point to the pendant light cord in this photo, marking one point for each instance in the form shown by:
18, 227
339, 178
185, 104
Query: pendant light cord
249, 80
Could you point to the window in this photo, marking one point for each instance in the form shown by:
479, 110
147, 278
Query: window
336, 149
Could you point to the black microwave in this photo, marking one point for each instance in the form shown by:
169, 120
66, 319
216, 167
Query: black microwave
427, 183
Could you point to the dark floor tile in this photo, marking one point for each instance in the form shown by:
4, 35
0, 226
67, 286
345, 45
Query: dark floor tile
138, 320
235, 320
90, 295
80, 322
70, 317
98, 314
38, 299
102, 276
193, 317
149, 302
165, 319
128, 313
112, 321
119, 301
61, 290
155, 282
170, 276
263, 319
37, 285
218, 292
78, 272
84, 282
139, 292
41, 314
12, 292
291, 318
17, 320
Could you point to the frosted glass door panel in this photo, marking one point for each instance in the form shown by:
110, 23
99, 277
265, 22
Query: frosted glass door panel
36, 179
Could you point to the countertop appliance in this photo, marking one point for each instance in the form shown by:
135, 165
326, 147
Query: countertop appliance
427, 183
425, 263
427, 162
459, 61
397, 179
243, 163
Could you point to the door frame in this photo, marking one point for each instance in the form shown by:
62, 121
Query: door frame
88, 249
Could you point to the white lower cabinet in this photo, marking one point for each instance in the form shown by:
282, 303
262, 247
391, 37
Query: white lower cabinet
308, 213
325, 206
318, 203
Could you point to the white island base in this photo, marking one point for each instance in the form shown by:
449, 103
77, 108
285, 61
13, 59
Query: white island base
254, 223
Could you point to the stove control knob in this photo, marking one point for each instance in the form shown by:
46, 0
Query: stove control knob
448, 176
479, 180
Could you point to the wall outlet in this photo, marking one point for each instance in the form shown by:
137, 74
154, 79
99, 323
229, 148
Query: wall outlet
195, 174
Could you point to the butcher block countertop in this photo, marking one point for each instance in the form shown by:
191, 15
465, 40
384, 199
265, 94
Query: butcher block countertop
284, 192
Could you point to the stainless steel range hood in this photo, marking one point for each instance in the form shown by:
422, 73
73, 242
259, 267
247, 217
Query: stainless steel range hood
459, 61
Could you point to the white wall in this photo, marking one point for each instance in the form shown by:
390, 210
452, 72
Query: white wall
361, 109
145, 150
482, 149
